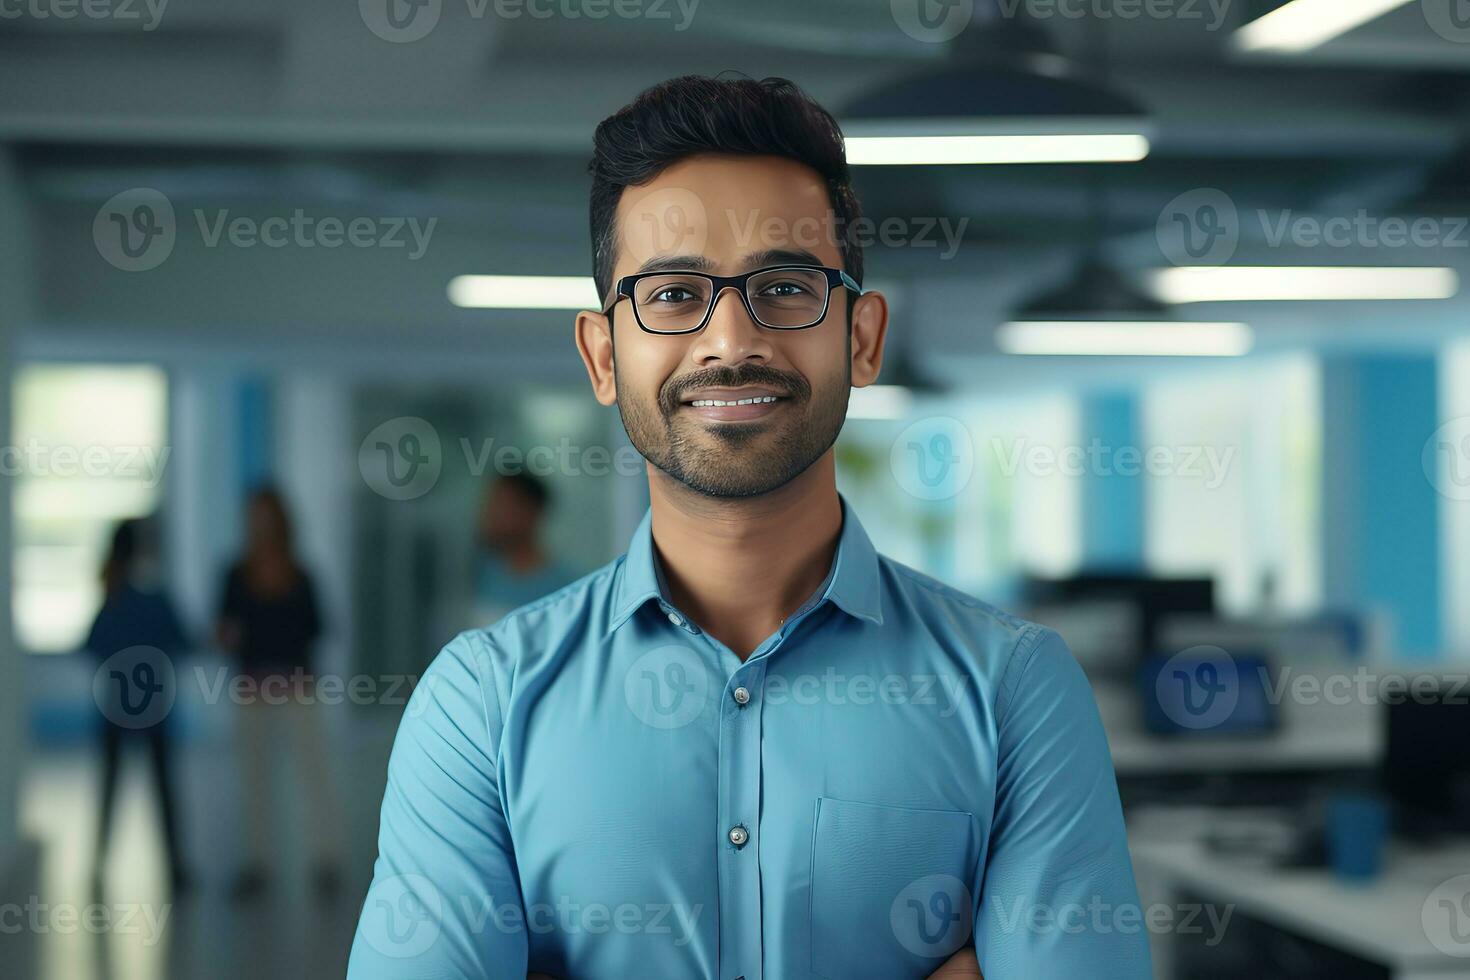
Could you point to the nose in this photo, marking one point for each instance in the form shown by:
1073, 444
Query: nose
731, 336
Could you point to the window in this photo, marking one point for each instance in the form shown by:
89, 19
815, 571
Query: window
88, 449
1251, 515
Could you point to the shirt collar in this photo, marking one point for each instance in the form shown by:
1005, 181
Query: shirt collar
853, 583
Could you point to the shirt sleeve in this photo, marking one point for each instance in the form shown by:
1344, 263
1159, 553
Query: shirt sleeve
1058, 897
445, 901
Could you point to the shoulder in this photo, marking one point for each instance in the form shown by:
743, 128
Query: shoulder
943, 606
535, 635
1007, 647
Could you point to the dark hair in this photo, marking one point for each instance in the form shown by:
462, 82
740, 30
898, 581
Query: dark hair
696, 114
529, 486
268, 496
133, 539
124, 549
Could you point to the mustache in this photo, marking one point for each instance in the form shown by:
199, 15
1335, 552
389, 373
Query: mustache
793, 386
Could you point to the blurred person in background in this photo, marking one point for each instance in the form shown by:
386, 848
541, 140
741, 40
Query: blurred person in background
514, 566
136, 612
269, 621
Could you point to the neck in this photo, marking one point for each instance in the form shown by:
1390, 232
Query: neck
522, 556
740, 567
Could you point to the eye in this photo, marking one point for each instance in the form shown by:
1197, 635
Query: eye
785, 289
673, 294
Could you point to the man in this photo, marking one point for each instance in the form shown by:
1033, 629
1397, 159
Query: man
751, 747
514, 567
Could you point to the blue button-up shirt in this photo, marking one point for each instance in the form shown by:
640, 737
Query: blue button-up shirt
597, 789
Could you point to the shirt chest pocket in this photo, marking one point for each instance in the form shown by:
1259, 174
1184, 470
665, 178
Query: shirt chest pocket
889, 892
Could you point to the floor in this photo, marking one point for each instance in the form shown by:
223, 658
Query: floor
129, 926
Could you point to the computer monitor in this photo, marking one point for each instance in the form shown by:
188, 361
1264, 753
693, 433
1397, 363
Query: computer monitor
1153, 597
1426, 760
1207, 692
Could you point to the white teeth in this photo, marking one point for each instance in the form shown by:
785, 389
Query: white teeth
716, 403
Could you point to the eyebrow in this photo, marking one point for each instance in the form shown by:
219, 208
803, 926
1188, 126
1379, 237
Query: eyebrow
753, 260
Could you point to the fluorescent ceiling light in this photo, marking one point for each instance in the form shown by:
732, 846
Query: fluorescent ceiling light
524, 292
1125, 338
1028, 148
1304, 24
879, 402
1207, 284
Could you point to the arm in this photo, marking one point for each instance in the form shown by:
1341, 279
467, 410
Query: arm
445, 902
1058, 895
960, 966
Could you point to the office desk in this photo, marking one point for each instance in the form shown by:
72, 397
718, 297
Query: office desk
1380, 922
1321, 736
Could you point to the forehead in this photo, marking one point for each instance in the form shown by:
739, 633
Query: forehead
724, 208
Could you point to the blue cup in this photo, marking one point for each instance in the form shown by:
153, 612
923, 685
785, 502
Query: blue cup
1357, 835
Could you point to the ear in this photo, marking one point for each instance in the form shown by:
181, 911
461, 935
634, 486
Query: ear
869, 329
594, 343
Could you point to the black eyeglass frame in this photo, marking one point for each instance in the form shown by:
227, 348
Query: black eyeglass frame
835, 278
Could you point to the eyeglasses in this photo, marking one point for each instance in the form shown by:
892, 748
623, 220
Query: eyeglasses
782, 297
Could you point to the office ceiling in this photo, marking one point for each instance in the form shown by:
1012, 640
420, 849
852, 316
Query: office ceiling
485, 124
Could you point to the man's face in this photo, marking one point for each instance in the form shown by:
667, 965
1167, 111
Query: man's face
737, 213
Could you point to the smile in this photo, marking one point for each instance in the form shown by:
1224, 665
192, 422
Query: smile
733, 404
717, 403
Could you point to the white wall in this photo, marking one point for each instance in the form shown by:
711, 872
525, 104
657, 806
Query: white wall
316, 468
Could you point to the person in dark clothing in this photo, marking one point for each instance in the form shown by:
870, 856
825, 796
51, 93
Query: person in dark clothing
135, 613
269, 621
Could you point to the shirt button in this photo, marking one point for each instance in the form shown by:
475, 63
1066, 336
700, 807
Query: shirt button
741, 695
738, 836
676, 619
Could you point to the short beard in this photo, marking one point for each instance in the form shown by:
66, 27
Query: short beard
732, 469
